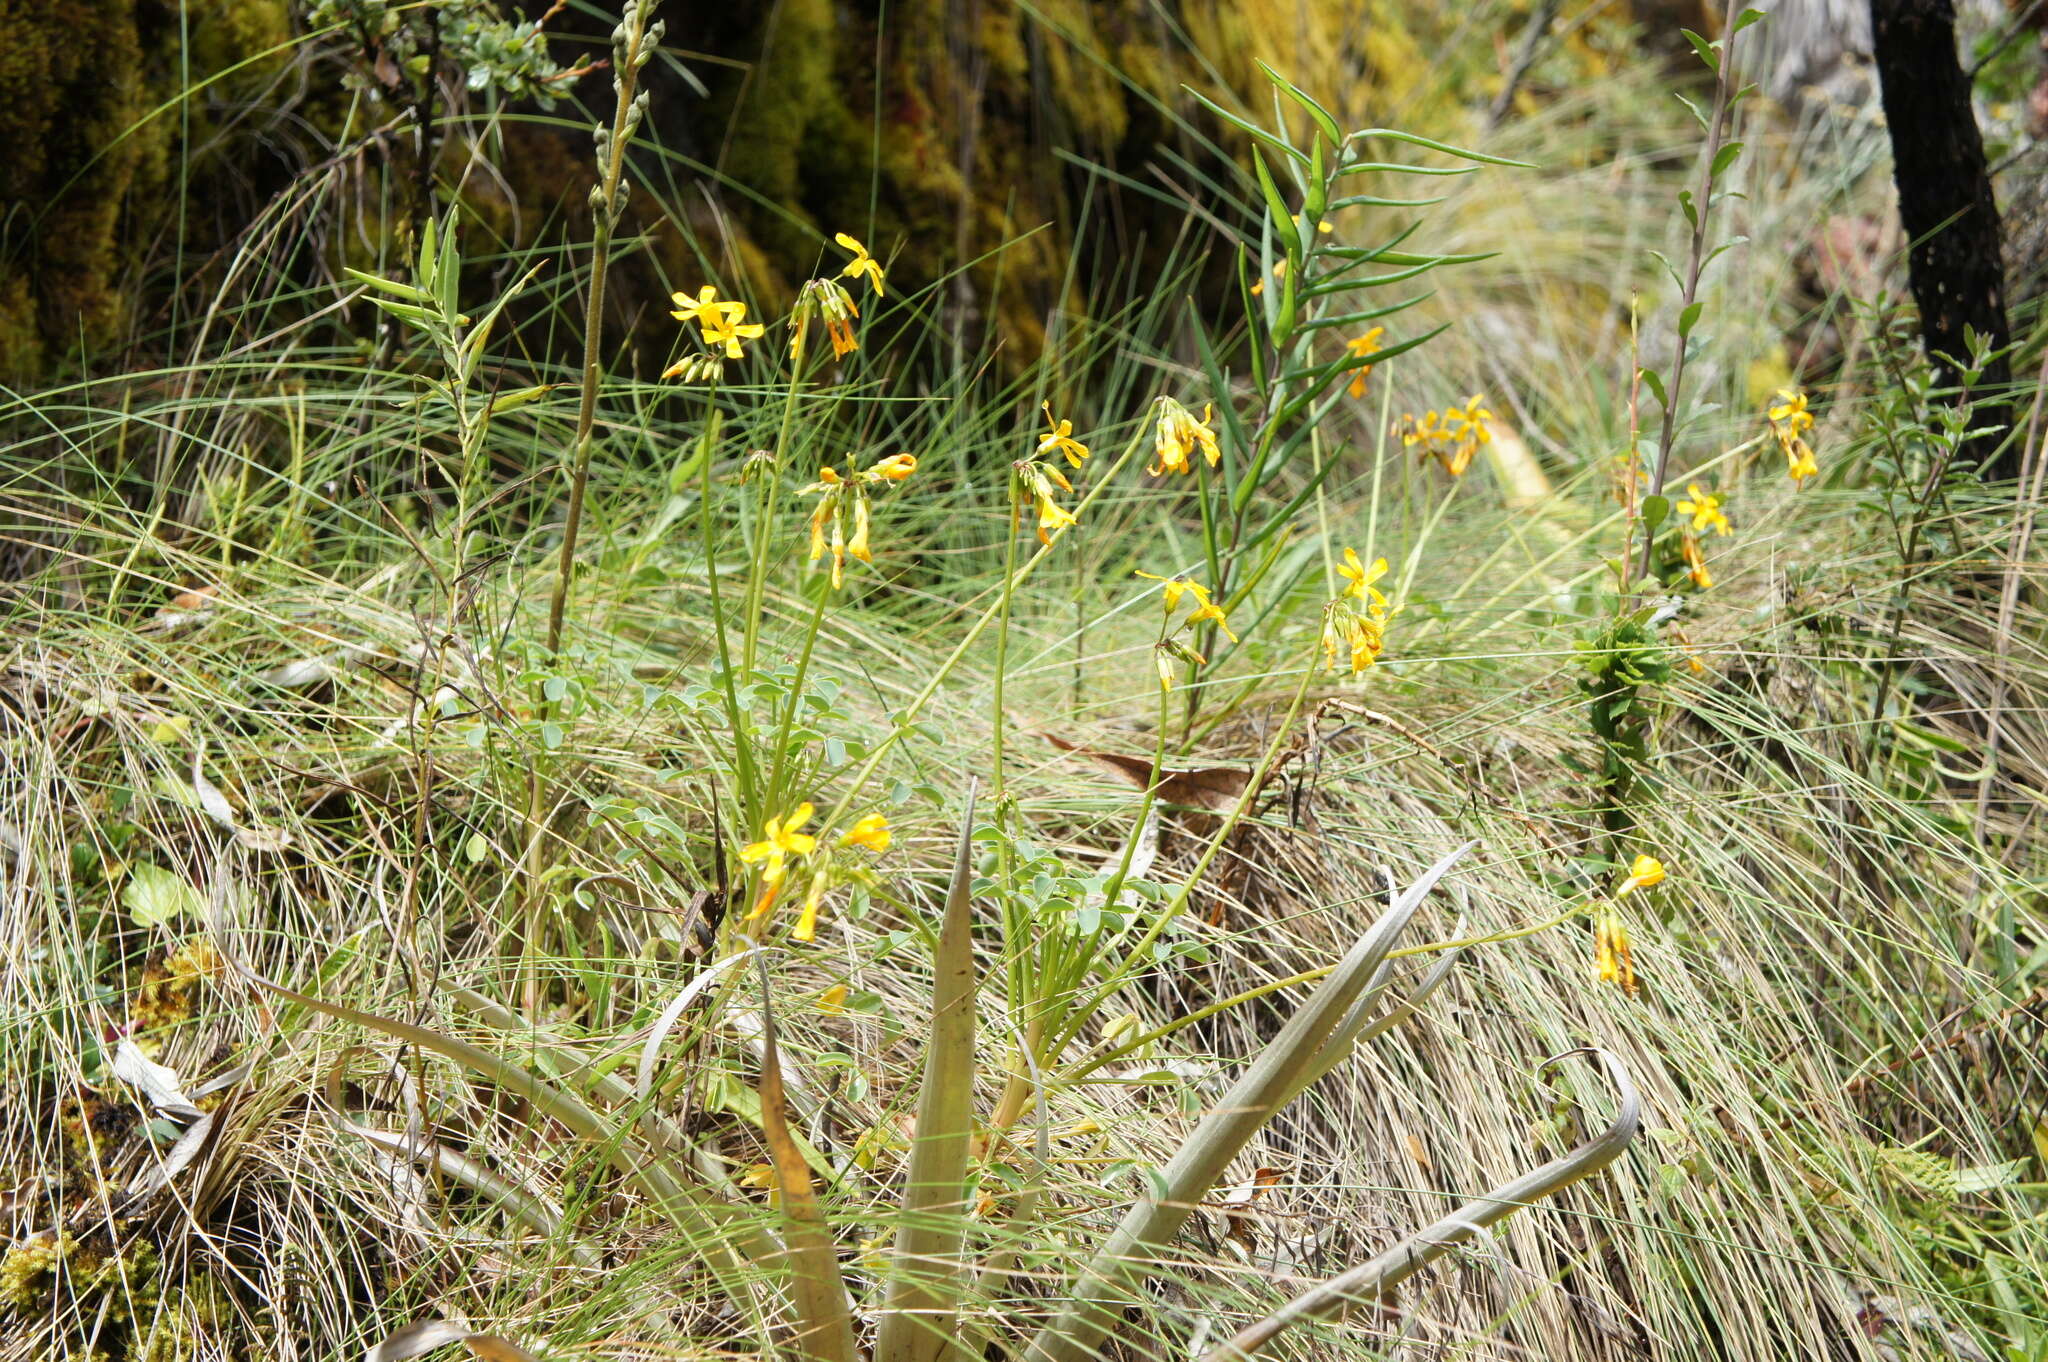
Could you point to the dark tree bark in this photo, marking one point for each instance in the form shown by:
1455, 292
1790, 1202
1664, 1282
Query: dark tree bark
1945, 202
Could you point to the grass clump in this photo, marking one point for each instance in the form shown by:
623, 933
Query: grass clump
787, 861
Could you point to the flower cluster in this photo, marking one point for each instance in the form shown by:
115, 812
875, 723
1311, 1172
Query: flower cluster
1040, 475
1612, 963
1705, 509
1179, 436
1355, 624
825, 300
845, 499
783, 842
1452, 436
1790, 420
1171, 647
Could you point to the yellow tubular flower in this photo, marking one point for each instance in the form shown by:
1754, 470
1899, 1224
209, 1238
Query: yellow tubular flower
1704, 508
858, 545
861, 264
1360, 347
896, 467
838, 554
807, 921
1052, 516
1645, 873
780, 840
1799, 461
1163, 660
1208, 610
871, 831
1179, 435
1695, 562
1061, 440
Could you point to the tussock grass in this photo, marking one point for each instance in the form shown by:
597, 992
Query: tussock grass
1837, 1039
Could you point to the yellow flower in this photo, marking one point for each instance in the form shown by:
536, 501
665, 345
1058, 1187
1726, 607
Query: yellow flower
1062, 440
806, 928
824, 298
1279, 272
1704, 508
1695, 562
1052, 516
1799, 460
895, 468
727, 330
1179, 435
1360, 577
707, 309
1360, 347
780, 840
1355, 634
861, 264
1791, 413
871, 832
1205, 609
833, 1000
1645, 873
1611, 960
857, 547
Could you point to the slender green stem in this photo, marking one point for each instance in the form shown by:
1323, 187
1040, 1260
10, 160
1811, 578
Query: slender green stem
742, 749
796, 695
908, 714
764, 525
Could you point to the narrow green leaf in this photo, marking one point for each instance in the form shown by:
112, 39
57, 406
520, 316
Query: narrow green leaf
1656, 510
1316, 112
1744, 20
1654, 381
1727, 156
1245, 125
1462, 153
1396, 168
448, 276
378, 281
1689, 318
1693, 108
1276, 206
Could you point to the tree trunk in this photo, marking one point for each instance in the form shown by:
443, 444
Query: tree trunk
1945, 204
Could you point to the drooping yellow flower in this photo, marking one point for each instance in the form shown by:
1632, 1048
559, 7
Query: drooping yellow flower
806, 928
1360, 347
1061, 440
1166, 652
1361, 577
780, 840
1179, 436
1612, 963
870, 831
857, 546
1695, 562
1704, 508
861, 264
895, 468
1052, 516
1205, 609
706, 309
1799, 461
829, 300
728, 330
1646, 872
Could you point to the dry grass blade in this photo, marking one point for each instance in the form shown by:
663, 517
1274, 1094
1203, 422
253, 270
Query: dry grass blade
816, 1286
1271, 1081
924, 1296
423, 1337
1372, 1280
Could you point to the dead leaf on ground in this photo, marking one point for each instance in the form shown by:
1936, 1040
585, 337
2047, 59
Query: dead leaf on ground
1214, 789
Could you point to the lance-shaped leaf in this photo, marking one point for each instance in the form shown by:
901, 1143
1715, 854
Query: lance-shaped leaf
928, 1276
1371, 1281
1102, 1287
816, 1287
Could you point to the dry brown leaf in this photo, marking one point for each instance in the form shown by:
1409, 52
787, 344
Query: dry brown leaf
1214, 789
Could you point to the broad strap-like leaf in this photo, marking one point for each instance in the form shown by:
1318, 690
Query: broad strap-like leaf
927, 1276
